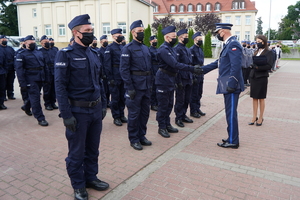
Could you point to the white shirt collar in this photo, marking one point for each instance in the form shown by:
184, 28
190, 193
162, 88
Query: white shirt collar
225, 42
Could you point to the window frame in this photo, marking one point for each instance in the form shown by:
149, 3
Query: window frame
34, 13
48, 29
106, 28
217, 5
197, 10
173, 6
238, 17
208, 4
123, 27
60, 28
190, 6
248, 20
181, 8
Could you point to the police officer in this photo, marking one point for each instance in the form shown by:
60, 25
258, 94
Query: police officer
48, 87
244, 61
136, 72
3, 72
249, 62
82, 106
184, 80
230, 74
101, 50
31, 71
153, 52
165, 80
116, 85
52, 43
197, 88
94, 44
9, 54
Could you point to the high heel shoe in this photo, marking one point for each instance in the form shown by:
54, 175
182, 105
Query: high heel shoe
257, 124
252, 123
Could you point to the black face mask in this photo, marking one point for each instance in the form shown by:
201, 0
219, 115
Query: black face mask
199, 43
94, 44
105, 44
119, 39
244, 45
248, 47
23, 46
51, 44
268, 44
32, 46
220, 38
260, 45
185, 40
173, 41
47, 45
87, 38
277, 45
253, 47
4, 42
140, 36
154, 44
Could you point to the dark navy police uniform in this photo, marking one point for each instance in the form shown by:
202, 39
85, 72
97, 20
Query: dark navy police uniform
230, 68
80, 94
136, 72
3, 72
154, 59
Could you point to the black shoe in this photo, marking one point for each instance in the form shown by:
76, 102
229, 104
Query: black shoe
43, 123
163, 132
187, 120
54, 106
3, 107
80, 194
252, 123
5, 99
202, 113
196, 115
11, 97
171, 129
48, 108
137, 146
228, 145
145, 142
123, 119
179, 123
224, 140
108, 105
97, 185
28, 112
117, 122
257, 124
154, 108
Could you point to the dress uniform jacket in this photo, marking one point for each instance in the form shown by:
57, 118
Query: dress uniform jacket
9, 53
112, 56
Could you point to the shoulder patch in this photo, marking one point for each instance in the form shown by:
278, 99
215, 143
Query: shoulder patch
125, 55
69, 48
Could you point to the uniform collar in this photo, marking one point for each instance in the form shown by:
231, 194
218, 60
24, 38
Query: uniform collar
136, 42
78, 46
227, 40
180, 44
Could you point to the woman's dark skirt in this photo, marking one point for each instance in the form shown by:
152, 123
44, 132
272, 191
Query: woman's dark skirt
258, 87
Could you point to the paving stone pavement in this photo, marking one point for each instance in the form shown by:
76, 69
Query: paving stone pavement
187, 166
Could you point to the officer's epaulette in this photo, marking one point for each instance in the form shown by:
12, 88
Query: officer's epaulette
94, 50
68, 48
20, 51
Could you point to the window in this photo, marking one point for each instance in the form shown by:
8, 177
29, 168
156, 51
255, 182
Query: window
181, 19
155, 9
181, 8
35, 31
122, 25
173, 9
234, 5
61, 30
247, 35
190, 8
237, 20
248, 20
208, 7
237, 34
199, 7
238, 4
34, 12
106, 28
228, 19
242, 5
48, 30
190, 21
217, 6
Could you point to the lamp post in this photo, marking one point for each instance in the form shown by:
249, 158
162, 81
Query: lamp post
269, 21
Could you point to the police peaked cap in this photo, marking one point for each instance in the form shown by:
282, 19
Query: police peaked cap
168, 29
115, 31
21, 39
248, 42
51, 39
182, 31
44, 37
243, 41
153, 37
95, 38
2, 36
29, 37
269, 42
137, 23
103, 37
196, 35
220, 26
72, 39
79, 20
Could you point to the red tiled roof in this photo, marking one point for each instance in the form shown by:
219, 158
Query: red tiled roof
164, 6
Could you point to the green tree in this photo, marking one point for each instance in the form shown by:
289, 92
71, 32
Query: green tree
160, 37
207, 45
147, 36
191, 41
8, 18
130, 37
259, 29
273, 34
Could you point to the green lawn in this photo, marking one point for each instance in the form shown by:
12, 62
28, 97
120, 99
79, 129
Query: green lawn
290, 58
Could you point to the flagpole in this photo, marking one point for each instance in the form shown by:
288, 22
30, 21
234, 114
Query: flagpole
269, 21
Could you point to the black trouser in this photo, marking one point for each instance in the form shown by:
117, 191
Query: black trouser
10, 78
2, 88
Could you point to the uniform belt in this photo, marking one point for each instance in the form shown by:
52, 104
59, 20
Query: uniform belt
35, 68
85, 104
154, 63
141, 73
116, 65
9, 61
50, 65
168, 72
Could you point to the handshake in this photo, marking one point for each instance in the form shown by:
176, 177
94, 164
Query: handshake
198, 70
